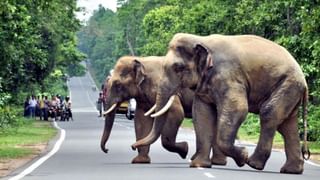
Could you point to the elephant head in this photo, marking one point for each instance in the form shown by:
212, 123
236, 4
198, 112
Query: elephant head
127, 76
184, 64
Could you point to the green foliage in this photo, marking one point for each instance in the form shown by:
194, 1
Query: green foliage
76, 70
9, 118
97, 41
144, 27
313, 123
251, 125
55, 85
159, 25
36, 37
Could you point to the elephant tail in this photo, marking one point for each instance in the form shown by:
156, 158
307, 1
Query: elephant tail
305, 150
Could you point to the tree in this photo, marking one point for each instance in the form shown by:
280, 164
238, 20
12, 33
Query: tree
36, 38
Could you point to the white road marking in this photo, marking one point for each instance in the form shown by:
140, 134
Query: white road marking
90, 77
209, 175
200, 168
87, 93
312, 163
44, 158
92, 104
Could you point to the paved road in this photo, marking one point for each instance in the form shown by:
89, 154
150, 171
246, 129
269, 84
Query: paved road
80, 156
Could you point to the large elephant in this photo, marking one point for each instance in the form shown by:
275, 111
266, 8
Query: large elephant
138, 77
231, 76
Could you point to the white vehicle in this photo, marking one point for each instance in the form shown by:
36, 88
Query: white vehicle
131, 108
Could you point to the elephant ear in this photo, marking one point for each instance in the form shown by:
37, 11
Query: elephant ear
139, 71
202, 58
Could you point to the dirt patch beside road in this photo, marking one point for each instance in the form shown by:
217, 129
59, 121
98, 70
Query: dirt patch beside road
9, 165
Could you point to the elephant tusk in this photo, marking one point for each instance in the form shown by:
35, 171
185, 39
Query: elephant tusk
165, 108
150, 111
110, 109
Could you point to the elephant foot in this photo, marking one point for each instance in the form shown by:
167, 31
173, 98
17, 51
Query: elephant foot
258, 160
292, 167
141, 160
183, 146
197, 162
219, 160
242, 158
194, 156
256, 164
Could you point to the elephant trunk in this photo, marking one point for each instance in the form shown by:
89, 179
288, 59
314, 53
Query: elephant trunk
107, 130
158, 124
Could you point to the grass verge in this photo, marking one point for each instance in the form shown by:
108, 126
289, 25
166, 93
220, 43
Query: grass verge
18, 142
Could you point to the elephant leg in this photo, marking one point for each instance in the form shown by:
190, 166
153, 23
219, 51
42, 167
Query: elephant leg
218, 158
197, 151
263, 149
142, 126
169, 132
278, 112
289, 130
203, 115
231, 113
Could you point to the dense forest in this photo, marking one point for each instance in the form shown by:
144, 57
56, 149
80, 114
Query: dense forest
37, 43
37, 48
144, 27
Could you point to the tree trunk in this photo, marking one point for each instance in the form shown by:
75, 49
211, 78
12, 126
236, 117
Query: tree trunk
128, 41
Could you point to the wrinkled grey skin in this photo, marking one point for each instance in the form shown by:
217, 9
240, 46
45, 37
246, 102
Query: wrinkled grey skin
231, 76
138, 77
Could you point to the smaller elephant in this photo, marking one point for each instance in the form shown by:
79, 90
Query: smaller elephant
138, 78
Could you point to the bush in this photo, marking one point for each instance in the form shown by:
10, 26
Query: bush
313, 120
252, 124
8, 116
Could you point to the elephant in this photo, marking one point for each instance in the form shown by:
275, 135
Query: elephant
138, 77
232, 75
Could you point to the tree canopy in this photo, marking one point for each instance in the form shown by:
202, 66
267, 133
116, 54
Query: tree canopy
144, 27
36, 38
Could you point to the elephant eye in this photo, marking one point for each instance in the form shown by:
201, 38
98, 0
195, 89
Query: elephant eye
117, 85
178, 67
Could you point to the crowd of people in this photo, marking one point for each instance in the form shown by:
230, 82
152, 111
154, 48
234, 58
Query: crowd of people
42, 107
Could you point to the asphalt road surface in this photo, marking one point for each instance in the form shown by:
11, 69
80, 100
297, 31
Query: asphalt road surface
80, 157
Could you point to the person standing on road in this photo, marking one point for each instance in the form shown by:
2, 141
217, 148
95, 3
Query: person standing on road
67, 105
54, 103
99, 104
41, 107
46, 108
32, 106
26, 107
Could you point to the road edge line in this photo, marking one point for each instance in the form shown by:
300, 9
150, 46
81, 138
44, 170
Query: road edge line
312, 163
36, 164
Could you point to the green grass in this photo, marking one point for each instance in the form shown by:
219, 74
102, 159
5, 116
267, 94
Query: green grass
254, 137
13, 141
314, 147
187, 123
